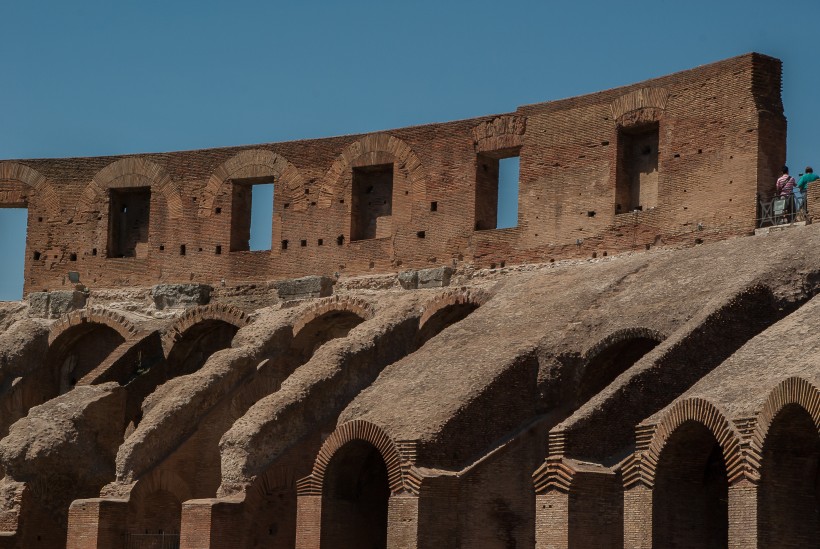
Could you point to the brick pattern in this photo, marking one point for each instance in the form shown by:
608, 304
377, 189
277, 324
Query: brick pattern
717, 151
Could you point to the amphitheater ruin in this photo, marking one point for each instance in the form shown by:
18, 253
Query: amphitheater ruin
632, 365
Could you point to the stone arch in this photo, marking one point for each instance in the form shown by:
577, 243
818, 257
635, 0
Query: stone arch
131, 172
155, 502
354, 305
641, 106
372, 145
705, 413
793, 390
446, 309
502, 132
461, 296
93, 315
611, 356
15, 171
215, 311
351, 431
255, 163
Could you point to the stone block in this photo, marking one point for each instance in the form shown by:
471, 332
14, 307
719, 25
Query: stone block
169, 296
55, 304
409, 280
438, 277
305, 287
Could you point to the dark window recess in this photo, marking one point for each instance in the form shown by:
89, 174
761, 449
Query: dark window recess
372, 202
433, 206
421, 234
94, 252
218, 250
284, 244
129, 213
252, 214
72, 257
182, 249
320, 242
636, 186
36, 256
303, 243
219, 210
340, 239
496, 190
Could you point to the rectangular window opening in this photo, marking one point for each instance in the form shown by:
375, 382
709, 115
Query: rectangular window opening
372, 202
636, 186
129, 214
13, 225
252, 215
496, 190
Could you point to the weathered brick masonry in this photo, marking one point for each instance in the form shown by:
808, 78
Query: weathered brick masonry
718, 134
397, 372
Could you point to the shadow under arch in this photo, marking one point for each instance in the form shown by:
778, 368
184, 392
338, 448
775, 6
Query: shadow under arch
448, 309
789, 456
612, 356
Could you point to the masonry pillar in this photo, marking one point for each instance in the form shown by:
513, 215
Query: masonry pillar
638, 517
402, 521
309, 521
97, 523
743, 515
211, 524
552, 520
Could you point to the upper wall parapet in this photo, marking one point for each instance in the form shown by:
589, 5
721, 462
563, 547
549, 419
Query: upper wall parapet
674, 160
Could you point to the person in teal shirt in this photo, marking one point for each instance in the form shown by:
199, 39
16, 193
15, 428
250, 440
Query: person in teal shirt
800, 188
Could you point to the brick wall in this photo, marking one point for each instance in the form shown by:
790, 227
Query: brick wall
721, 139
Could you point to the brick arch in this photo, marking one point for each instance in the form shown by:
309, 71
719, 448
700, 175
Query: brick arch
641, 468
15, 171
131, 172
354, 430
162, 480
255, 163
461, 296
372, 145
93, 315
640, 106
502, 132
215, 311
354, 305
793, 390
621, 335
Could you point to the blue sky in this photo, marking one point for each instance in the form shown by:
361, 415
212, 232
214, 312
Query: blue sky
99, 78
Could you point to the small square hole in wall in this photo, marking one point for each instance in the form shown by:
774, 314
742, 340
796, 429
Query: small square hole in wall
162, 247
320, 242
72, 257
284, 244
433, 206
219, 210
303, 243
218, 250
94, 252
36, 256
421, 234
340, 240
182, 249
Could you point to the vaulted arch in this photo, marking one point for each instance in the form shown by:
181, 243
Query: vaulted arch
34, 180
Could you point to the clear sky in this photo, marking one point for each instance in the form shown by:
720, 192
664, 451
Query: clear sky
100, 77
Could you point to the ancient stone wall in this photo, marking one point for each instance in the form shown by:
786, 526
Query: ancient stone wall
670, 160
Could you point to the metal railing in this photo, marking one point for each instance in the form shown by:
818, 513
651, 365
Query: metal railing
152, 541
781, 210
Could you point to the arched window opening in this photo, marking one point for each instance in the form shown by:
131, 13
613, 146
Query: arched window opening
611, 362
789, 492
690, 499
197, 344
354, 499
80, 350
443, 318
320, 330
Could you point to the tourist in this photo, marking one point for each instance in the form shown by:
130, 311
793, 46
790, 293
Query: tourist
800, 188
785, 183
